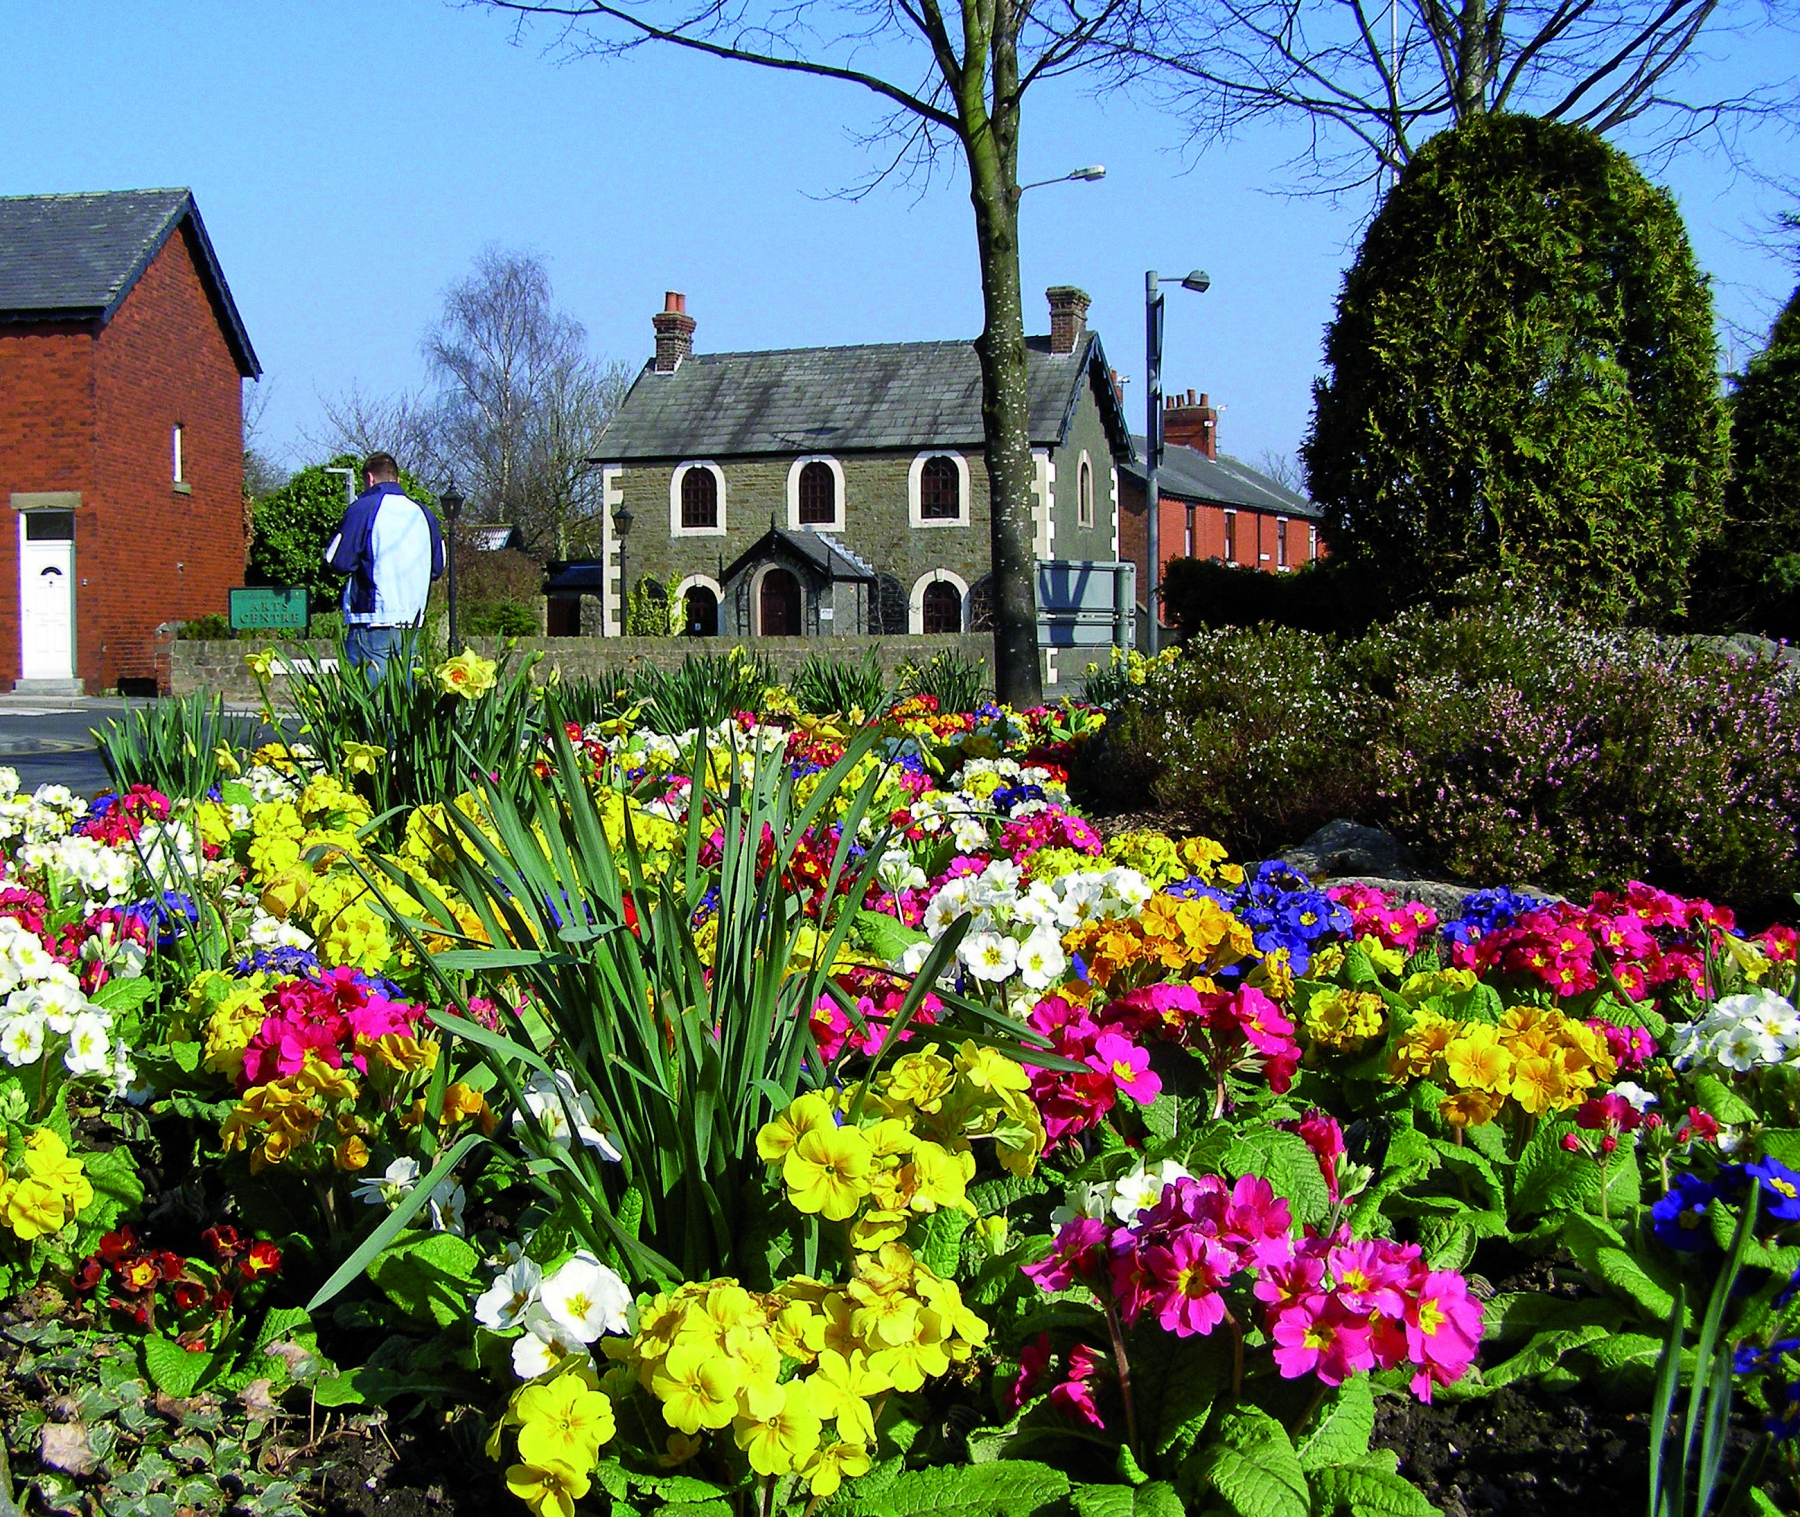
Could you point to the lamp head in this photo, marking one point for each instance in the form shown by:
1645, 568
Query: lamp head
622, 520
1198, 282
452, 501
1092, 171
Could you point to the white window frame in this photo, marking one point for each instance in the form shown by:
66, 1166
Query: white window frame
913, 477
705, 582
836, 524
681, 472
1084, 491
1283, 549
177, 461
612, 496
915, 602
1312, 541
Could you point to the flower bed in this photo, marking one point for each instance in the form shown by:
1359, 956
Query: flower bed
809, 1114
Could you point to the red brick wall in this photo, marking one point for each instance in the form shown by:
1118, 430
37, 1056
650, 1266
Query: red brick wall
1255, 534
46, 443
151, 553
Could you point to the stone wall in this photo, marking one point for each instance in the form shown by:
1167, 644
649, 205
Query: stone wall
220, 666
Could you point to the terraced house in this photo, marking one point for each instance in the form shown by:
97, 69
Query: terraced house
820, 491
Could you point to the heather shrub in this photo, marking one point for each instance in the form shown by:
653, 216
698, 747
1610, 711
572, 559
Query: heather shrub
1254, 736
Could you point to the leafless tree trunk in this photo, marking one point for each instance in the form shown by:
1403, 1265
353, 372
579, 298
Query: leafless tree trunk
1374, 78
960, 76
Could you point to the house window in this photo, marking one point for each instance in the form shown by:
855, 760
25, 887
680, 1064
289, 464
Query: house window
940, 489
1312, 541
818, 495
942, 606
1281, 553
699, 499
1084, 494
175, 449
1231, 537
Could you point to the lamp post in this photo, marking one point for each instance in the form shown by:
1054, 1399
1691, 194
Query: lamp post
1199, 283
622, 525
452, 502
1091, 172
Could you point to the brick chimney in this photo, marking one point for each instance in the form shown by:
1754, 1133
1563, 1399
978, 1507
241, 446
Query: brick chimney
674, 332
1191, 423
1068, 316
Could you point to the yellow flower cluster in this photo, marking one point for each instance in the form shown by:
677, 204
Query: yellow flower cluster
715, 1355
1540, 1059
1160, 859
1344, 1020
564, 1420
1168, 939
231, 1012
468, 675
280, 1120
49, 1190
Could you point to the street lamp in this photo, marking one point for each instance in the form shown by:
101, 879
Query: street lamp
1199, 283
1091, 172
622, 525
452, 502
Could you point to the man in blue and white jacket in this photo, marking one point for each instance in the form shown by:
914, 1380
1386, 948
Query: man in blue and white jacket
392, 550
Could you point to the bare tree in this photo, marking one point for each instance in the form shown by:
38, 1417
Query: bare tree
407, 425
522, 404
1283, 468
263, 471
1372, 80
953, 77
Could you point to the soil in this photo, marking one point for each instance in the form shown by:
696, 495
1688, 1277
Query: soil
425, 1468
1522, 1452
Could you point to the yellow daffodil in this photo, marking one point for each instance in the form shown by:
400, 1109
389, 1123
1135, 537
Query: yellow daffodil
361, 758
468, 675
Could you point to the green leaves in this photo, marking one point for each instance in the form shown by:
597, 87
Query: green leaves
1006, 1488
1341, 1428
431, 1276
1252, 1466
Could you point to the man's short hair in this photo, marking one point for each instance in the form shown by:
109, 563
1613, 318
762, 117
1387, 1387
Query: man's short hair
381, 468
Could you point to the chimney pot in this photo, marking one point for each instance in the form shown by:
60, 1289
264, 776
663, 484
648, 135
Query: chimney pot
674, 332
1068, 316
1194, 425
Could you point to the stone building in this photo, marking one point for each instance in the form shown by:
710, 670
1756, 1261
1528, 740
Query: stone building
821, 491
122, 361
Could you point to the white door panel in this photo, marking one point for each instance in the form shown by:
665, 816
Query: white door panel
46, 597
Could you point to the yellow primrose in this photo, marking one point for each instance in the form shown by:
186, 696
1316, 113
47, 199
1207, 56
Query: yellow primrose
698, 1387
827, 1171
780, 1442
549, 1490
563, 1423
841, 1388
826, 1467
805, 1114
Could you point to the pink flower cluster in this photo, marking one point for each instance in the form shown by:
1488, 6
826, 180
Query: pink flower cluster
1648, 937
1632, 1047
1332, 1306
1609, 1115
322, 1018
1113, 1064
1230, 1029
1073, 1394
1050, 828
879, 996
123, 816
1374, 914
90, 946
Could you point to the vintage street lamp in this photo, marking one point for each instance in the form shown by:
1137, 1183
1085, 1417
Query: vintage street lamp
452, 502
621, 526
1199, 283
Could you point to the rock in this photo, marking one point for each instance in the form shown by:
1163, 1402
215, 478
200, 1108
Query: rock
1344, 848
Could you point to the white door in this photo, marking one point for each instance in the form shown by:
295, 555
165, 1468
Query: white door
46, 595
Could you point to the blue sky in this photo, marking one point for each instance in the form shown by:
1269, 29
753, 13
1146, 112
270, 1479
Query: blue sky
350, 159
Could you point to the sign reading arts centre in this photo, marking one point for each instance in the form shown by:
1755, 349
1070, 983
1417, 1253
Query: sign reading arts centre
282, 608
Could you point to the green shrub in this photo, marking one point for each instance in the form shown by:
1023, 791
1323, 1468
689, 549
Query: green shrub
1522, 378
502, 618
823, 684
211, 628
1252, 736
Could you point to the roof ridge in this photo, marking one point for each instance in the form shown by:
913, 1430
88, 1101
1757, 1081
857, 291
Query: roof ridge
161, 189
850, 347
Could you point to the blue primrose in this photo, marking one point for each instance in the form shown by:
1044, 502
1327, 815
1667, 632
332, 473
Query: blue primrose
1783, 1424
1780, 1189
1679, 1219
1753, 1359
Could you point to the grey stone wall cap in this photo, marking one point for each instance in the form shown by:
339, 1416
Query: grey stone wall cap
46, 500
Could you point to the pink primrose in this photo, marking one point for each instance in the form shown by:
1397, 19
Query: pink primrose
1189, 1274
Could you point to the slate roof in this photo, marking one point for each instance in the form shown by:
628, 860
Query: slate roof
830, 557
890, 395
76, 257
1188, 474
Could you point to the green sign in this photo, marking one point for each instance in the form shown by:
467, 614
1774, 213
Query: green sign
282, 607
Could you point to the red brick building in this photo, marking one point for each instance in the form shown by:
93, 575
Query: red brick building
1213, 506
122, 361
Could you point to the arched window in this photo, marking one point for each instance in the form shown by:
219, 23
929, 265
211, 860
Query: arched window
818, 495
940, 490
699, 498
702, 612
1084, 495
942, 607
779, 604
